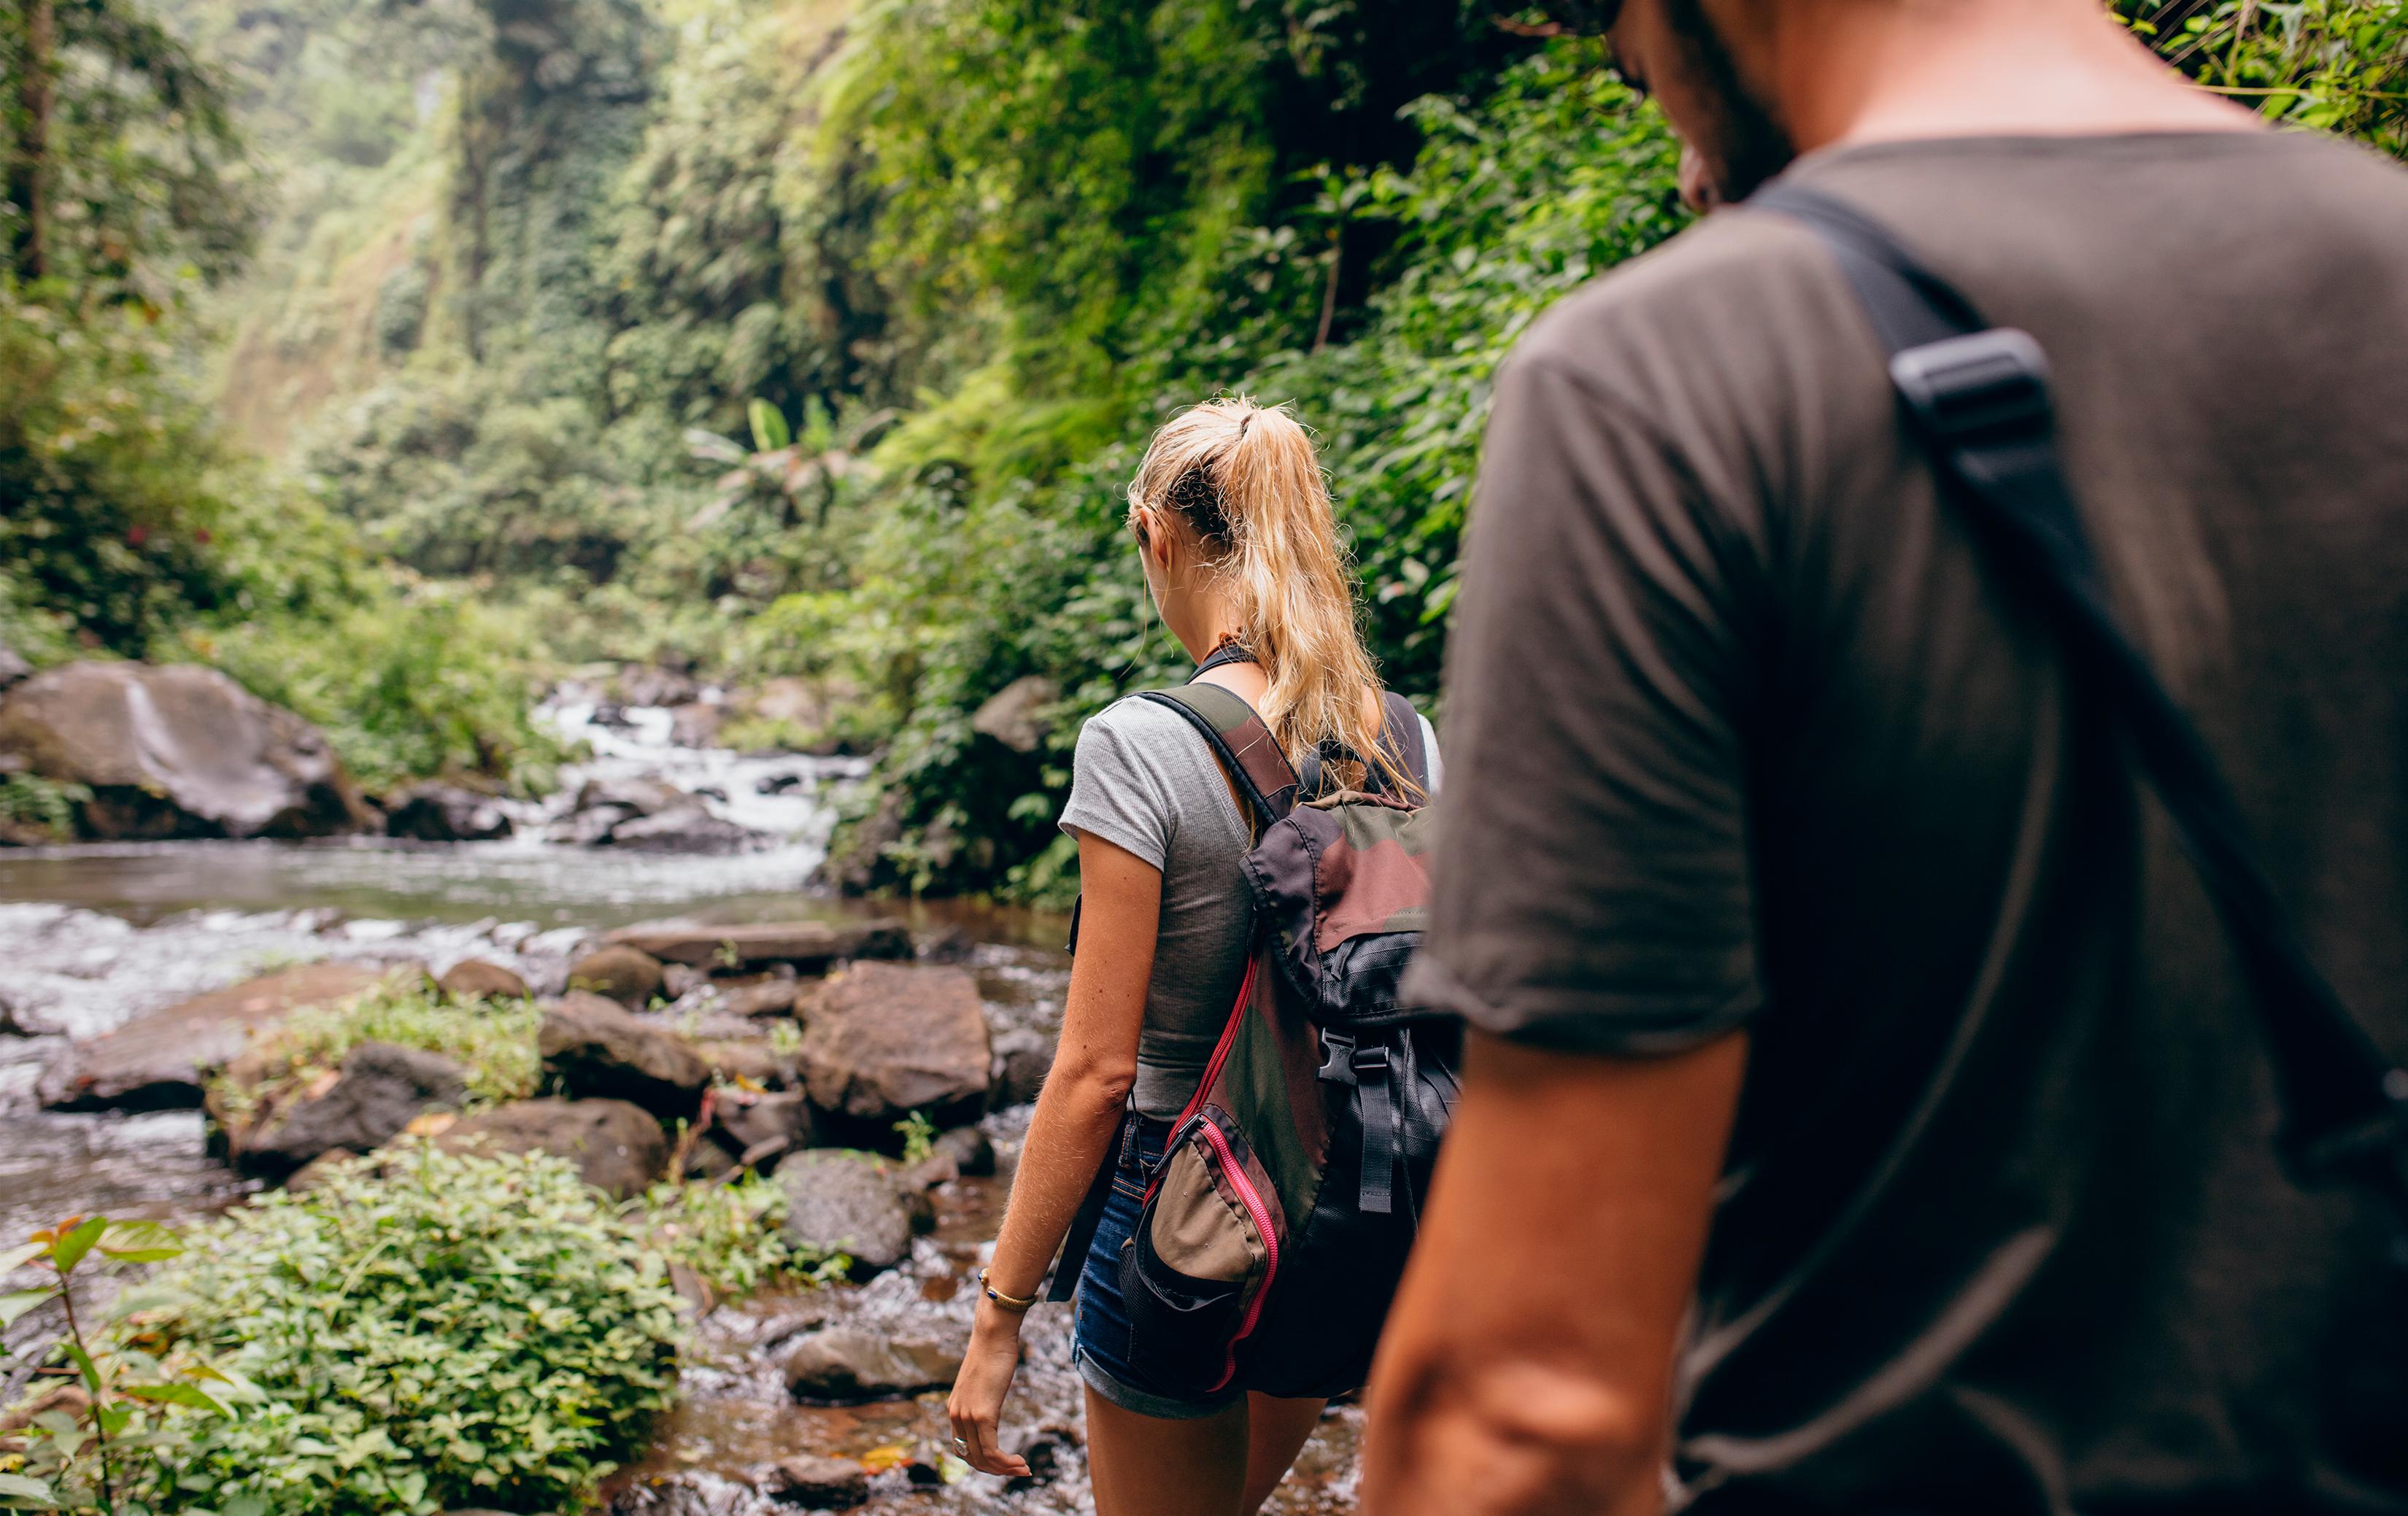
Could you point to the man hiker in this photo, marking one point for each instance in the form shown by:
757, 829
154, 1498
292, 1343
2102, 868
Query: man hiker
1871, 1105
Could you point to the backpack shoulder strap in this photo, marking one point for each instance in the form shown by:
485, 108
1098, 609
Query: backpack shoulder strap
1400, 733
1978, 399
1244, 745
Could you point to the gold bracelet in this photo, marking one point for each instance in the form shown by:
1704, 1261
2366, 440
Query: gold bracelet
1015, 1303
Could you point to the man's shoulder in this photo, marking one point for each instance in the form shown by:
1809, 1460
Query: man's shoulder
1729, 305
1725, 269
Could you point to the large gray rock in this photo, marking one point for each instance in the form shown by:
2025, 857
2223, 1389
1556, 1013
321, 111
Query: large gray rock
1011, 715
14, 670
848, 1202
882, 1040
810, 946
445, 813
617, 972
618, 1148
381, 1090
178, 752
847, 1363
596, 1050
163, 1060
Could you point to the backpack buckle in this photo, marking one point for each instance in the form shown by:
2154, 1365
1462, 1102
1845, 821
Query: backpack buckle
1984, 385
1371, 1062
1336, 1058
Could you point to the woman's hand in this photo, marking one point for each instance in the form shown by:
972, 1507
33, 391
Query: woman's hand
976, 1406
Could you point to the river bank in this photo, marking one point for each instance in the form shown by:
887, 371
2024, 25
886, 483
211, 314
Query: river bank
97, 935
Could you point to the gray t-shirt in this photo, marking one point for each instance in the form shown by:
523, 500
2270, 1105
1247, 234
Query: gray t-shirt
1144, 780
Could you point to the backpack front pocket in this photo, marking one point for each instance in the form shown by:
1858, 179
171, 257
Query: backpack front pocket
1203, 1253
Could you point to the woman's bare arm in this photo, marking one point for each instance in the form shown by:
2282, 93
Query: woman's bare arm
1077, 1117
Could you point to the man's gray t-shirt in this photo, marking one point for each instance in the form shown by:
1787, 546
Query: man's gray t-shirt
1750, 734
1143, 779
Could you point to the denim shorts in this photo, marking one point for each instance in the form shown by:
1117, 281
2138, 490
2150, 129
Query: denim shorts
1101, 1345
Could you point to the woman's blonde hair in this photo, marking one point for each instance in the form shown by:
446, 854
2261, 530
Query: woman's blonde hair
1244, 481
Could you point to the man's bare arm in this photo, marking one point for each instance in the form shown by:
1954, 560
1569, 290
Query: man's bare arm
1527, 1370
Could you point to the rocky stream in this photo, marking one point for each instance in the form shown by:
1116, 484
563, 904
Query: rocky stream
792, 1399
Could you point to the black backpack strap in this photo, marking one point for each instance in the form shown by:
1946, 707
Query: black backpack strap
1245, 746
1978, 398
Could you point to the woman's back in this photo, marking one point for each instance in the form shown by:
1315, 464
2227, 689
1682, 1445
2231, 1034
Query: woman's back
1143, 780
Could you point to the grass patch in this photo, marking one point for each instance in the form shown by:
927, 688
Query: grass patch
494, 1040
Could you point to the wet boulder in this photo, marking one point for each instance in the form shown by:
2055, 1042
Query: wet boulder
618, 1148
1022, 1058
162, 1061
843, 1365
378, 1092
598, 1051
445, 813
749, 1058
765, 1128
765, 994
685, 828
474, 979
883, 1041
641, 685
816, 1484
628, 975
963, 1152
602, 805
807, 945
178, 752
849, 1203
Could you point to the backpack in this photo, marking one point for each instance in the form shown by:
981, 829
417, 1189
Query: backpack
1276, 1226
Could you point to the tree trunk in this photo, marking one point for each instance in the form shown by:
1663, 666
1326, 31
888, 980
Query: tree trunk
31, 162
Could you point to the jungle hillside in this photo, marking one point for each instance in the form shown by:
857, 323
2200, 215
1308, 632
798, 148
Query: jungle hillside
400, 358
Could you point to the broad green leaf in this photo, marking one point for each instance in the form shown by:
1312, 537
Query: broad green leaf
16, 1258
18, 1302
19, 1487
141, 1242
72, 1247
175, 1394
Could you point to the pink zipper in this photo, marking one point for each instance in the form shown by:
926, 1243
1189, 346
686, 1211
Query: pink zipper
1262, 1217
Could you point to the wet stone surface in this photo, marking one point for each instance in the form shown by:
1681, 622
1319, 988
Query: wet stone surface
718, 1451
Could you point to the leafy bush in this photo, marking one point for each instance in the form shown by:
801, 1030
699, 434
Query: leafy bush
431, 1331
408, 682
36, 808
494, 1040
729, 1234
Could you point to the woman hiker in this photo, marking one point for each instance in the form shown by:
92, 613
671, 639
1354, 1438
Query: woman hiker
1239, 547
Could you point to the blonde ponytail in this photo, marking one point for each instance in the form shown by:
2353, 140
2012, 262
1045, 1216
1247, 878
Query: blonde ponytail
1246, 482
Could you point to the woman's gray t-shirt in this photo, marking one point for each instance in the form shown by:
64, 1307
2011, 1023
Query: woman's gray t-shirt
1144, 780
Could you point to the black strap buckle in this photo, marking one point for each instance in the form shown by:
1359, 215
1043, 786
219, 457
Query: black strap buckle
1371, 1062
1336, 1058
1983, 385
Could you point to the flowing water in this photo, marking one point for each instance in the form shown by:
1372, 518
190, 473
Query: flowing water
92, 936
